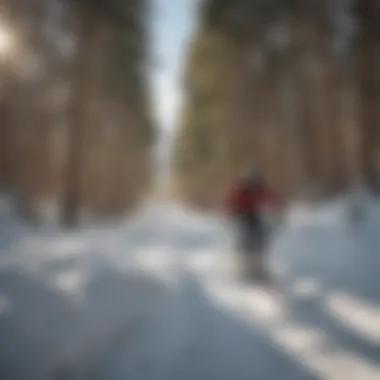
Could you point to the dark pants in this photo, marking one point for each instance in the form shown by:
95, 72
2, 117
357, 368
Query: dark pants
251, 234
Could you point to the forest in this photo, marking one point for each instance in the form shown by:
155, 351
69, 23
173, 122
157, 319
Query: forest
291, 87
76, 128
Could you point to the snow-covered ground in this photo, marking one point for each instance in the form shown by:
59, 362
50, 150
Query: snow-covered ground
157, 298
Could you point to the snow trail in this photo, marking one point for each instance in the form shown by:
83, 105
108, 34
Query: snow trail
157, 298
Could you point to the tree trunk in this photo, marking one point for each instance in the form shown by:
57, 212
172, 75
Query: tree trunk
368, 44
77, 120
5, 145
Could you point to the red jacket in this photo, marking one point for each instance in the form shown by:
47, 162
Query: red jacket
250, 198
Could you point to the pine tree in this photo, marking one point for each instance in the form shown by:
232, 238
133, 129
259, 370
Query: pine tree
89, 131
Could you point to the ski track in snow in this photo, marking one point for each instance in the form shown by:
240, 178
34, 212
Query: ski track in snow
158, 298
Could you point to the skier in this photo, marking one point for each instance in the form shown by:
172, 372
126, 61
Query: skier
247, 201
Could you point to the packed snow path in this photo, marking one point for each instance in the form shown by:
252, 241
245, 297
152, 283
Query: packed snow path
157, 298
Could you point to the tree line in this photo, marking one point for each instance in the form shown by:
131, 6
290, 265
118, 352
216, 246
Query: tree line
292, 86
76, 127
